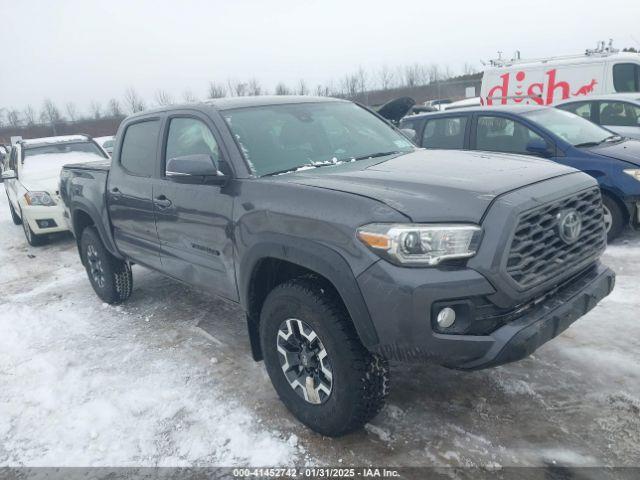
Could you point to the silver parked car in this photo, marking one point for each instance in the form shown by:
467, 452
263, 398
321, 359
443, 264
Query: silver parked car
619, 112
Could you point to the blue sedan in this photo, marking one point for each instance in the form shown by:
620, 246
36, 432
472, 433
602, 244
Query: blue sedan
548, 133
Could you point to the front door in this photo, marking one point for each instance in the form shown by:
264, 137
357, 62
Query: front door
194, 219
130, 193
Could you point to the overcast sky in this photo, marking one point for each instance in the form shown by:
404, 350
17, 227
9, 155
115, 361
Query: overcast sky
87, 50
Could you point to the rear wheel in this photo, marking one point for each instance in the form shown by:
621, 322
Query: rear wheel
14, 216
110, 277
613, 217
32, 239
315, 360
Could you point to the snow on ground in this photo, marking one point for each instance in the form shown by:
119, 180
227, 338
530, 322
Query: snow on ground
84, 383
167, 379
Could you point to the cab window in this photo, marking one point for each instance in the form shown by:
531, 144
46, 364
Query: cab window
499, 134
190, 136
139, 148
619, 114
446, 133
583, 109
626, 77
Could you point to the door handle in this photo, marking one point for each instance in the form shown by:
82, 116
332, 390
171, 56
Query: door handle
162, 202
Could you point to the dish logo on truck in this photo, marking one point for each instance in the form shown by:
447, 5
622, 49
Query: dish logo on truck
536, 86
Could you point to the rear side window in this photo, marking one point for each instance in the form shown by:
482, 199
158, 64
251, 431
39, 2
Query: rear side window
619, 114
499, 134
583, 109
626, 77
446, 133
139, 148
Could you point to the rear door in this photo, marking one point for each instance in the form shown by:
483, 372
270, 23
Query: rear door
444, 132
130, 191
194, 218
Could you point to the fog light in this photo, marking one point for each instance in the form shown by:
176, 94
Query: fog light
446, 317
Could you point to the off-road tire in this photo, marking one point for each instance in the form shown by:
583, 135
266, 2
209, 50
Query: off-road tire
14, 216
360, 378
117, 280
617, 217
33, 239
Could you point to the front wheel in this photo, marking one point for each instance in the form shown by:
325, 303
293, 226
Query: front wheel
315, 360
110, 277
613, 217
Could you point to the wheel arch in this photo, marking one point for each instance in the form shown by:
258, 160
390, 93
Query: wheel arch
84, 215
269, 264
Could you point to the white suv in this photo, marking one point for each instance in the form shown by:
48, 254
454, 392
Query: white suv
31, 177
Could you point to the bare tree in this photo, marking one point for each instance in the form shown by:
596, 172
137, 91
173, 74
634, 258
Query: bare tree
163, 98
282, 89
237, 88
188, 96
302, 87
114, 108
385, 77
13, 117
96, 110
254, 88
363, 78
2, 110
133, 101
50, 114
323, 91
414, 75
216, 90
29, 115
349, 86
71, 110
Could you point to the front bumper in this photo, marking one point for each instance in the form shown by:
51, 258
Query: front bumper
401, 313
44, 220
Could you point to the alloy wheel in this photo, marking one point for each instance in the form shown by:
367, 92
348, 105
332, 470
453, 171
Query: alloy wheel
608, 218
304, 361
95, 266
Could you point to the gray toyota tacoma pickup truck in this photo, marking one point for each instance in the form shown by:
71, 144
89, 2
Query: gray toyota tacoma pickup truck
345, 244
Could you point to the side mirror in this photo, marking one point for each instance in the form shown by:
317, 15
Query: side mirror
8, 175
539, 147
410, 133
200, 165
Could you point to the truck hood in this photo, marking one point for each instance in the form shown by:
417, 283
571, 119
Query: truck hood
627, 151
434, 185
42, 172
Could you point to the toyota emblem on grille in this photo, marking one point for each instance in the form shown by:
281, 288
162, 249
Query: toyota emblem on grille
569, 225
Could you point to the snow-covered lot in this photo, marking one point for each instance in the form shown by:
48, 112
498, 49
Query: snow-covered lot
167, 379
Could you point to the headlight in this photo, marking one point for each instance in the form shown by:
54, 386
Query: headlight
42, 199
635, 173
421, 244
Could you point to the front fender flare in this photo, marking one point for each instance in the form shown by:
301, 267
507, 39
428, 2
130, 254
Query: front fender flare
320, 259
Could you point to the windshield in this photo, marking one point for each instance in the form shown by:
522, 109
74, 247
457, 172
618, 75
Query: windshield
572, 128
58, 148
282, 138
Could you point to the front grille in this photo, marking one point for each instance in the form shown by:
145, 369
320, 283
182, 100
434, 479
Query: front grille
538, 253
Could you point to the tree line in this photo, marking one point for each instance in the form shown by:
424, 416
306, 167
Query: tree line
349, 86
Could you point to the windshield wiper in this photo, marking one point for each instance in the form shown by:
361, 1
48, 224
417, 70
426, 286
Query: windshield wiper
610, 138
374, 155
306, 166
